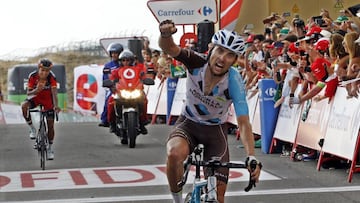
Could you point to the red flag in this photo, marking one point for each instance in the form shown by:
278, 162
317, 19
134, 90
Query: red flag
229, 13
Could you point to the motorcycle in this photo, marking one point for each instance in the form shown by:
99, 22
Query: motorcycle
129, 99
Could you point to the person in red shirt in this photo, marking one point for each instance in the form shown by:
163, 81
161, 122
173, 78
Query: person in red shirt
127, 59
320, 69
42, 90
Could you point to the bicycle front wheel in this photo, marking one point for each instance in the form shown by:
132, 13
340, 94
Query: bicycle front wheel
42, 155
188, 198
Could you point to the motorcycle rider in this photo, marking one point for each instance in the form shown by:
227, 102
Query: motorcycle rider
114, 50
127, 58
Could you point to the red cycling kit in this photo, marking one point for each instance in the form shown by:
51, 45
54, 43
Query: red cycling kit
44, 97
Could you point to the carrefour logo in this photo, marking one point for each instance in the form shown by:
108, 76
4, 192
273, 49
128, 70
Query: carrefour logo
270, 92
205, 11
172, 85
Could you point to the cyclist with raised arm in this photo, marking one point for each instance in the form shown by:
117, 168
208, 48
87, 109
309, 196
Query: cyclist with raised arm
212, 86
42, 90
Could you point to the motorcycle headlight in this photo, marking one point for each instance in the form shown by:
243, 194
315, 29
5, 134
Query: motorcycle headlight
130, 94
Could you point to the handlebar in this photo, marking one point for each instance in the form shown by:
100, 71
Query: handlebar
45, 111
215, 163
252, 182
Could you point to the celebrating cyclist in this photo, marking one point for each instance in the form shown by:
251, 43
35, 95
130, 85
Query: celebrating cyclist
212, 86
42, 90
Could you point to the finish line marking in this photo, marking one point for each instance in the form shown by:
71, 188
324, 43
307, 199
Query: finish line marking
228, 194
104, 177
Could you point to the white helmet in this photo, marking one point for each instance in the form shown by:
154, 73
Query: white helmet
230, 40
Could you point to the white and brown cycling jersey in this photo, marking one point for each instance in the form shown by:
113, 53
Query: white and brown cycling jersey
211, 109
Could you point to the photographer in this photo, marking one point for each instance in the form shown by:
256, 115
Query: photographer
298, 27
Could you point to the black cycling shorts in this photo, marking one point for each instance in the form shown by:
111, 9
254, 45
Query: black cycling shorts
213, 137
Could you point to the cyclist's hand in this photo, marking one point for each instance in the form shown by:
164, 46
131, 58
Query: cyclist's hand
256, 174
250, 162
40, 86
167, 28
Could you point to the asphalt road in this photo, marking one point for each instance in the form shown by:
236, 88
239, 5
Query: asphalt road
92, 166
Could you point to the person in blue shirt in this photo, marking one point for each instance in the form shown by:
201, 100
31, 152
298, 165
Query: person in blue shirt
114, 50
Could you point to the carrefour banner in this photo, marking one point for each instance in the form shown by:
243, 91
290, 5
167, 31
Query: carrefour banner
89, 95
268, 114
184, 12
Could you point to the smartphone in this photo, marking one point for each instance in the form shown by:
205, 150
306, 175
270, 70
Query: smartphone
314, 18
286, 14
249, 26
320, 22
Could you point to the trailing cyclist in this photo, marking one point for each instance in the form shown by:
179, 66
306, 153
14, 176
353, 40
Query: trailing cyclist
42, 90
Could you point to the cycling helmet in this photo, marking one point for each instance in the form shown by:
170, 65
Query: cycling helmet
230, 40
115, 47
45, 63
127, 54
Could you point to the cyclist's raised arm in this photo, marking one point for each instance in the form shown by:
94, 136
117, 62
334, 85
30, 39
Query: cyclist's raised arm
166, 42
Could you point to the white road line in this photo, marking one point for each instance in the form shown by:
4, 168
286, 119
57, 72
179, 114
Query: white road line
228, 194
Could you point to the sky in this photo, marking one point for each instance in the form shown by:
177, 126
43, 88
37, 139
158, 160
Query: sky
33, 24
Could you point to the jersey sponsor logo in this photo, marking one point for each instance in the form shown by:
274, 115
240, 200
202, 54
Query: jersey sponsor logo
206, 100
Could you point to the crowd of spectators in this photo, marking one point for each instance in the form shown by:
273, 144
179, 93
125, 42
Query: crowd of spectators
317, 53
303, 56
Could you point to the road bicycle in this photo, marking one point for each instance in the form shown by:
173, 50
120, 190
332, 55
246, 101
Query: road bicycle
205, 190
42, 140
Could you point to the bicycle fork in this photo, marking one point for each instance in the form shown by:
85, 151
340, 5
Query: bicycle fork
206, 187
211, 189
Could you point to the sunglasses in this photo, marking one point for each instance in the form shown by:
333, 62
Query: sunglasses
125, 59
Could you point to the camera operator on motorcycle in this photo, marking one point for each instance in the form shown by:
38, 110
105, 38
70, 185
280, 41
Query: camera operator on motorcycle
127, 59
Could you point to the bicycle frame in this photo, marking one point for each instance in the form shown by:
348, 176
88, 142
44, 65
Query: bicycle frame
209, 186
42, 140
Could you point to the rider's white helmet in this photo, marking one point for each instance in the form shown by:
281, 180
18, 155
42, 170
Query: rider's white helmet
230, 40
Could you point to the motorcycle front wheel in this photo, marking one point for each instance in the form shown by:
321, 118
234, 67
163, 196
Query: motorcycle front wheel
132, 128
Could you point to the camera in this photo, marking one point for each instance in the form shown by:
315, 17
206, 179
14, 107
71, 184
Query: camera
320, 22
355, 9
297, 44
299, 23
